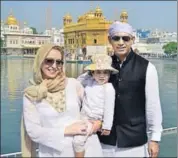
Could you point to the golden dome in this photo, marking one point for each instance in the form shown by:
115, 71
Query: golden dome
98, 10
68, 16
90, 15
124, 13
124, 16
11, 20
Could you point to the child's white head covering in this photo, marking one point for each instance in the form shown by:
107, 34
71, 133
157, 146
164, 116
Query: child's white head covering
101, 62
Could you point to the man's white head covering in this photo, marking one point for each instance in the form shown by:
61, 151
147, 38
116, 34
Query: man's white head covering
118, 26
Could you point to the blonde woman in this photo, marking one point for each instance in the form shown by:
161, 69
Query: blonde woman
51, 106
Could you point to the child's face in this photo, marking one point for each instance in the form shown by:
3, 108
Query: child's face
101, 76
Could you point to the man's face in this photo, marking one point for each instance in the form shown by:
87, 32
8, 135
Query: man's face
121, 43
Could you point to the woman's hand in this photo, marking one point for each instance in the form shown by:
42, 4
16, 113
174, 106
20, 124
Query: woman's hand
96, 126
45, 82
76, 128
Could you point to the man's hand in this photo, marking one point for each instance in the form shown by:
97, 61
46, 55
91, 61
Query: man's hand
153, 148
105, 132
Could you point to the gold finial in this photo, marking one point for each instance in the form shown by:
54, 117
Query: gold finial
98, 9
124, 16
68, 16
91, 6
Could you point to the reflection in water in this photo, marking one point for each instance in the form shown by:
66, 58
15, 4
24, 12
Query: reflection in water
71, 70
74, 70
13, 79
15, 74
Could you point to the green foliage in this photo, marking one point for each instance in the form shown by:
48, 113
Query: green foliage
1, 42
170, 48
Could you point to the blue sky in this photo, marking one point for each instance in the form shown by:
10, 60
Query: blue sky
142, 14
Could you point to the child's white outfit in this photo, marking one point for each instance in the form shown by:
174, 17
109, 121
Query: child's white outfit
98, 104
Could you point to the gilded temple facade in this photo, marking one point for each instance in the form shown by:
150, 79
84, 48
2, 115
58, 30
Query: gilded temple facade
89, 34
90, 31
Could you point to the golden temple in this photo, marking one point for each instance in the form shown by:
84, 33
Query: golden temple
91, 29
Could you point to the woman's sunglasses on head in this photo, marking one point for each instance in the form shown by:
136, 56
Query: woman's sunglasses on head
50, 62
124, 38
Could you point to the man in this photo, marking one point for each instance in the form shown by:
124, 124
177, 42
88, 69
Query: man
137, 104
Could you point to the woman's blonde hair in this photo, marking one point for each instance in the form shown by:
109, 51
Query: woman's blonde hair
60, 49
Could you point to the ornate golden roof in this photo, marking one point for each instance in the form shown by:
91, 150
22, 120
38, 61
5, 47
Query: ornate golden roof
82, 17
98, 10
11, 20
68, 16
90, 15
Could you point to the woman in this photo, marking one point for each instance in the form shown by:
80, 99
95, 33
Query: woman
51, 107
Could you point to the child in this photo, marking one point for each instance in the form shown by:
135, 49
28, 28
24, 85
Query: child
98, 100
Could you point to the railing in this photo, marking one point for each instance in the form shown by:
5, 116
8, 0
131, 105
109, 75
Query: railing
18, 154
169, 130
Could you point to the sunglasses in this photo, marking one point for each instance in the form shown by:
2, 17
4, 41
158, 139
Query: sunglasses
124, 38
50, 62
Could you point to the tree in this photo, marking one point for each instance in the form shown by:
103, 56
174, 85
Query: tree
1, 42
170, 48
34, 30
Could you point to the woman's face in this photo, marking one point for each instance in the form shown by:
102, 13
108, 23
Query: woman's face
52, 64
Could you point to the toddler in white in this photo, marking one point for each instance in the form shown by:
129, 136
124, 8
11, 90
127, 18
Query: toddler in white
99, 99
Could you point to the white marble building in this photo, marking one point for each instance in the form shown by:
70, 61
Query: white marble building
57, 36
164, 36
20, 40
